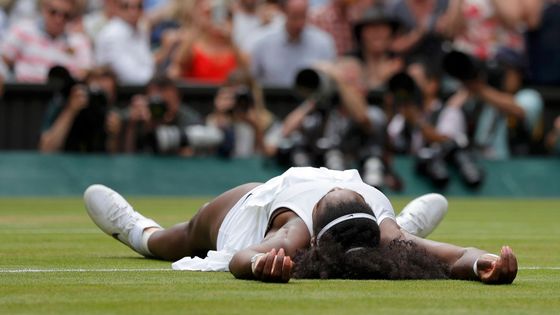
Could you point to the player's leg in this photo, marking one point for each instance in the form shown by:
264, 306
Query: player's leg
116, 217
423, 214
199, 235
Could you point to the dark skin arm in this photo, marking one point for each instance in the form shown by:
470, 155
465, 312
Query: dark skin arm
288, 234
491, 269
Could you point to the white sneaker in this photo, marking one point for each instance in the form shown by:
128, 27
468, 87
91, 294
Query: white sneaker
116, 217
423, 214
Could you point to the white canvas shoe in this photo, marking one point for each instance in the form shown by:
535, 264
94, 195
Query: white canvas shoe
423, 214
116, 217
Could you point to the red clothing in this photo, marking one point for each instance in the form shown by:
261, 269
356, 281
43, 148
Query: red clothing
210, 68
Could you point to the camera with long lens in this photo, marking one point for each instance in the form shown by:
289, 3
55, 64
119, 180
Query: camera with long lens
404, 90
432, 162
169, 139
466, 68
318, 86
61, 82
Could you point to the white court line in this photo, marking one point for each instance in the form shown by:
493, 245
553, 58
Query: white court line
82, 270
167, 269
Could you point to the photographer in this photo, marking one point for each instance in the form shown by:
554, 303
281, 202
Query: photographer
335, 131
240, 112
81, 117
159, 122
423, 126
510, 115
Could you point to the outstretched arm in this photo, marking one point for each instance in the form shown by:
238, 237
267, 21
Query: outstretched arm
472, 263
270, 260
465, 263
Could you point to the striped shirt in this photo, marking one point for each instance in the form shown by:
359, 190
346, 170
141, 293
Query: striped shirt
33, 52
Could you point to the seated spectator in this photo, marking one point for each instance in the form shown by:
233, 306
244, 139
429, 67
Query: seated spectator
375, 33
481, 27
159, 122
31, 48
423, 25
245, 20
206, 53
5, 7
277, 57
23, 10
123, 44
253, 19
334, 18
82, 117
543, 48
239, 110
94, 22
168, 17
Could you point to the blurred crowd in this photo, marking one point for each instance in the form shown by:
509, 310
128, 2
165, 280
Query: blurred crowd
446, 81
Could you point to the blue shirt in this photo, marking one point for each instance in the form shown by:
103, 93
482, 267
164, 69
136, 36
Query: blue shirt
275, 60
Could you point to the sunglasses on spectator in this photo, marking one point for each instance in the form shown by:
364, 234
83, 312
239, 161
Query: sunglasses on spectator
128, 6
59, 13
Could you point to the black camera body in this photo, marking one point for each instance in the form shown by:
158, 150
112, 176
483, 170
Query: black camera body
87, 133
243, 100
432, 162
466, 68
157, 106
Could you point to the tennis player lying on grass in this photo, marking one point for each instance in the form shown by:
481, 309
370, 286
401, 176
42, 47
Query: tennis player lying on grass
305, 223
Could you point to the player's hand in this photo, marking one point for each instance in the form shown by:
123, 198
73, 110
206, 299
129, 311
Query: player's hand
498, 270
273, 267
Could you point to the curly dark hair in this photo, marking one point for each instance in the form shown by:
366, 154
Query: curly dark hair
351, 250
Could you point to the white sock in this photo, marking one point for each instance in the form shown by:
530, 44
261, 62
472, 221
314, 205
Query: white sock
138, 238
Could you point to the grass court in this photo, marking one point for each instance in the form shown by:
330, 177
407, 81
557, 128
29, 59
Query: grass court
54, 260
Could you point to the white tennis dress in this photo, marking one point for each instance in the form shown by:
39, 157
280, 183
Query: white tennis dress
298, 189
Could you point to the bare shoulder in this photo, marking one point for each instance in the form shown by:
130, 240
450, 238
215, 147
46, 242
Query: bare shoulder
289, 229
390, 230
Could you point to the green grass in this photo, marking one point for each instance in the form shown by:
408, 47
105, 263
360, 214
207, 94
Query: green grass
56, 234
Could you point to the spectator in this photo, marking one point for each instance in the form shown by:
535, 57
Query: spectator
240, 111
482, 27
423, 26
94, 22
276, 58
375, 33
123, 44
348, 133
271, 17
334, 18
245, 20
5, 7
206, 53
23, 10
31, 48
543, 48
166, 20
84, 120
160, 123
